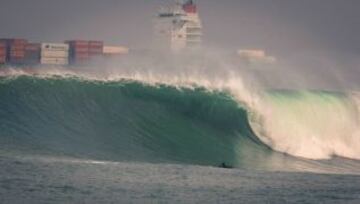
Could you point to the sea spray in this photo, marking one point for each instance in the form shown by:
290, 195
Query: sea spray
311, 124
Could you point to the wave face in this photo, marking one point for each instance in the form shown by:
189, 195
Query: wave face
130, 121
120, 120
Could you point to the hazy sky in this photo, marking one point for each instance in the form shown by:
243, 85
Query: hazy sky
279, 26
316, 36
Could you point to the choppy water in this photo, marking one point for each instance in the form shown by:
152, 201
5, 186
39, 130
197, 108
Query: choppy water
77, 181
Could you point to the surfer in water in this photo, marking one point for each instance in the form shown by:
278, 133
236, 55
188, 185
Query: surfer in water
225, 166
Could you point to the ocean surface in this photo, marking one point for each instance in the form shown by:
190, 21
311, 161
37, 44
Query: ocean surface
72, 139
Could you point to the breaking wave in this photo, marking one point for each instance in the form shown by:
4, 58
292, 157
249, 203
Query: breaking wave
130, 119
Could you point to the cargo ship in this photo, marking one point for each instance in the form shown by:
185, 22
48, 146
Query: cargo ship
20, 52
178, 27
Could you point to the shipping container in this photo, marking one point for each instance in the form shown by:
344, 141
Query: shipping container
17, 54
96, 48
80, 57
2, 53
33, 47
54, 61
32, 53
111, 50
93, 54
96, 43
17, 46
2, 49
77, 42
17, 60
14, 50
2, 59
17, 41
54, 54
59, 54
79, 50
54, 47
32, 59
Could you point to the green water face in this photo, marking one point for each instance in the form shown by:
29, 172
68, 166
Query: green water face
134, 122
122, 121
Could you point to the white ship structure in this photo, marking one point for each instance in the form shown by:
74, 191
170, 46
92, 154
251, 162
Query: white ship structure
179, 27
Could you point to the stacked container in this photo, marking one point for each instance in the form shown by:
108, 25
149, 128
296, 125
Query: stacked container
115, 51
2, 53
54, 54
79, 51
32, 53
15, 50
96, 48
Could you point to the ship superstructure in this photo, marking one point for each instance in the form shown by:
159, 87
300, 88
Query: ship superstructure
179, 27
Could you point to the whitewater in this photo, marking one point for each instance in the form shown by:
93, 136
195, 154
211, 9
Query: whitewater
153, 134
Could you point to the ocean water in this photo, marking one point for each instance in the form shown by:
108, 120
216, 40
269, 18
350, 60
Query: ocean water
69, 139
52, 180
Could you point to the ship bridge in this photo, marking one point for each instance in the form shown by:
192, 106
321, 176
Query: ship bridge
179, 27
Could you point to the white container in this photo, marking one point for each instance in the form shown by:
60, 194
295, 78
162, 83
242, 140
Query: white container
115, 50
54, 61
256, 56
54, 47
59, 54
